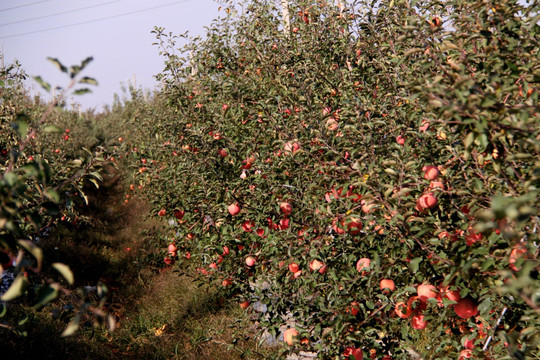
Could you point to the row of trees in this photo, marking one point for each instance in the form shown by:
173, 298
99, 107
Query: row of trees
370, 176
49, 159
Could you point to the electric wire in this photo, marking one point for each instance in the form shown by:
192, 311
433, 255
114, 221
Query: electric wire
94, 20
60, 13
24, 5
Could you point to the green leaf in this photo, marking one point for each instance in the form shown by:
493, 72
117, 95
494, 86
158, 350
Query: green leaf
88, 80
45, 85
468, 139
65, 271
82, 91
52, 129
485, 306
86, 62
21, 125
58, 64
16, 289
414, 264
46, 294
52, 195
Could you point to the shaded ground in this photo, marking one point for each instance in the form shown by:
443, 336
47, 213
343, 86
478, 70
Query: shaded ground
159, 314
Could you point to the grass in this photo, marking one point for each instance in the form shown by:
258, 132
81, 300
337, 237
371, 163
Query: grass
160, 314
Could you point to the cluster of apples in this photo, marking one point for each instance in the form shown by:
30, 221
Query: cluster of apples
428, 200
465, 308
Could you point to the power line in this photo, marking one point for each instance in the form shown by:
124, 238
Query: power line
61, 13
25, 5
94, 20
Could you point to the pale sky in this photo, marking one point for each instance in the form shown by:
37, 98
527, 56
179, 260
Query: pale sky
121, 45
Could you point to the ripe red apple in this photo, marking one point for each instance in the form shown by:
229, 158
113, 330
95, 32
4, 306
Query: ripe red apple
315, 265
168, 260
430, 172
355, 226
516, 253
234, 209
363, 264
226, 250
352, 351
466, 308
283, 224
452, 295
179, 214
332, 124
293, 267
426, 291
244, 305
403, 310
291, 147
289, 336
162, 212
248, 225
418, 322
388, 284
172, 248
250, 261
400, 140
223, 153
355, 308
286, 208
427, 201
436, 185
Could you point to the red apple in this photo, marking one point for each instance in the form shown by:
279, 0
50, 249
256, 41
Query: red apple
352, 351
427, 201
315, 265
179, 214
430, 172
223, 153
234, 209
286, 208
244, 305
418, 322
363, 264
388, 284
426, 291
250, 261
466, 308
293, 267
172, 248
289, 336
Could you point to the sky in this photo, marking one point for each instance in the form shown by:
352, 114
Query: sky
121, 44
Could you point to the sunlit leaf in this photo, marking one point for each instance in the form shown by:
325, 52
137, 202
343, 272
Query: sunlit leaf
16, 289
73, 326
65, 271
